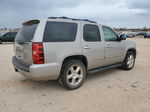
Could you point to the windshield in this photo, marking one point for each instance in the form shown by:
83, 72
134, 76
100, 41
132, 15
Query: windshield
26, 33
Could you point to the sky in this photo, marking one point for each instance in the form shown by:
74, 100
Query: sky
115, 13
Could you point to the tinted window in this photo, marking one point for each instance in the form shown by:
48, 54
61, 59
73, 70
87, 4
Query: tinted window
109, 34
26, 33
60, 32
91, 33
14, 34
9, 34
6, 35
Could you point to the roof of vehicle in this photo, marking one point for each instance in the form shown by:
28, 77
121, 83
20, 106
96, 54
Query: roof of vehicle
63, 18
73, 19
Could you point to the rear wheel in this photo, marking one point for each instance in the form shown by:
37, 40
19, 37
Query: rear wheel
73, 74
0, 41
129, 61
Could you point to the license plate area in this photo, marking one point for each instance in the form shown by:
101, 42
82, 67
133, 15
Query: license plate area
19, 52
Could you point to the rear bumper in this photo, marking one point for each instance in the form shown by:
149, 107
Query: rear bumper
48, 71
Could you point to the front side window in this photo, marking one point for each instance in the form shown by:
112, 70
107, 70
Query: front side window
109, 34
91, 33
60, 32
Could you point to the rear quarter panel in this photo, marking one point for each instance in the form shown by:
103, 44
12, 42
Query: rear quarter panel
56, 52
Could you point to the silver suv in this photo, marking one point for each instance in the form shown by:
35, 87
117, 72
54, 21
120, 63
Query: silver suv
67, 49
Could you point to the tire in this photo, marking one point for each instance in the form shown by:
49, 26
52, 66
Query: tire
129, 61
73, 74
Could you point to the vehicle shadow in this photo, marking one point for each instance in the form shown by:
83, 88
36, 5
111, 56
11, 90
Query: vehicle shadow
41, 85
102, 74
55, 86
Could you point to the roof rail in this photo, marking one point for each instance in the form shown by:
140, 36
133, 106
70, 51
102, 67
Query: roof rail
63, 17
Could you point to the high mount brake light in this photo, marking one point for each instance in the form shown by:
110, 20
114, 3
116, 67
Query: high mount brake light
38, 53
31, 22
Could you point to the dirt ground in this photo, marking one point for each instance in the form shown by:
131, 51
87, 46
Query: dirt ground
109, 91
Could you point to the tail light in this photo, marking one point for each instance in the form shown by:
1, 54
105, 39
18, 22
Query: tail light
38, 53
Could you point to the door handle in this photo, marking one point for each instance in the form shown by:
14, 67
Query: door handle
108, 46
87, 47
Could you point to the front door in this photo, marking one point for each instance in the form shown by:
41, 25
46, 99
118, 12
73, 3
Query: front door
113, 48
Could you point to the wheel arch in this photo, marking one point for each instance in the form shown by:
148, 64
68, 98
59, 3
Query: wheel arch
81, 58
133, 50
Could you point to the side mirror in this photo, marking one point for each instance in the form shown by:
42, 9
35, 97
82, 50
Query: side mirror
122, 37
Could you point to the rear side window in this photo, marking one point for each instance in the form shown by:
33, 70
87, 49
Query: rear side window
60, 32
26, 33
91, 33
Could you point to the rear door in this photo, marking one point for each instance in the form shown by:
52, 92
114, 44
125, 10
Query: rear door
92, 45
23, 42
113, 48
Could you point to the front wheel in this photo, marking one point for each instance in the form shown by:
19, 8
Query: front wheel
73, 74
129, 61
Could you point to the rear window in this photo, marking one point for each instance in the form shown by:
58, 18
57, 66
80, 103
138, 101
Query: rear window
60, 32
26, 33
